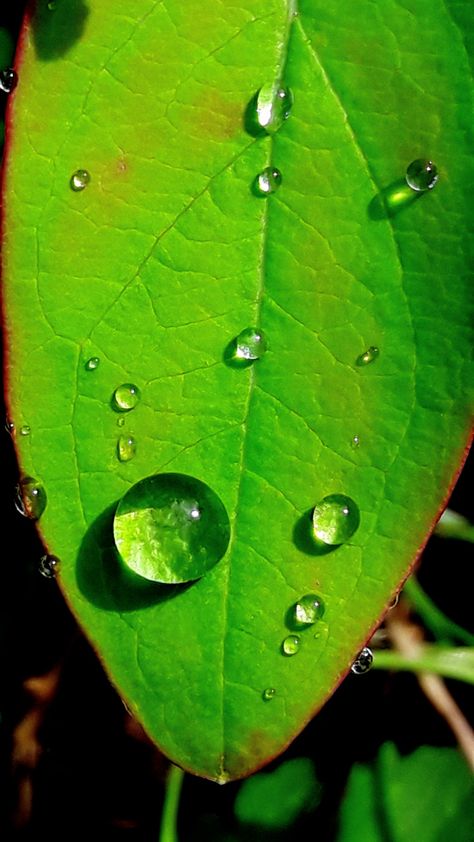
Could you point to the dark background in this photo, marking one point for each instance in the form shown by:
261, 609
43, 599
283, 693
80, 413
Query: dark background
94, 772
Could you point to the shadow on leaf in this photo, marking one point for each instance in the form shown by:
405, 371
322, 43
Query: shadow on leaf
391, 200
57, 25
104, 580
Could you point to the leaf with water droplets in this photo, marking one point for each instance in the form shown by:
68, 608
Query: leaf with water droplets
284, 349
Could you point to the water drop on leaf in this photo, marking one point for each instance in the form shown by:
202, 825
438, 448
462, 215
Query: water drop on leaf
307, 610
92, 363
335, 519
8, 80
30, 498
369, 356
126, 448
25, 430
250, 344
273, 105
267, 181
171, 528
268, 694
79, 180
126, 397
291, 644
48, 566
421, 175
363, 662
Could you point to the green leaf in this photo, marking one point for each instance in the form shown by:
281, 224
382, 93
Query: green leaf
275, 799
425, 796
160, 262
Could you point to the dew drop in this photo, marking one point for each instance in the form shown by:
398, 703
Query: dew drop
250, 344
369, 356
363, 662
274, 104
171, 528
421, 175
8, 80
120, 421
25, 430
92, 363
291, 644
48, 566
268, 181
10, 426
268, 694
126, 448
126, 397
79, 180
308, 610
30, 498
355, 442
335, 519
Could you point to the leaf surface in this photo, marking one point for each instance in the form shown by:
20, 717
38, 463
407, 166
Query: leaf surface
166, 256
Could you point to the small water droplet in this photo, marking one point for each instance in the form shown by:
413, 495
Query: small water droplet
308, 609
79, 180
363, 662
120, 421
52, 5
335, 519
369, 356
268, 181
10, 427
126, 448
126, 397
291, 644
25, 430
30, 498
171, 528
250, 344
421, 175
268, 694
274, 104
8, 80
48, 566
92, 363
355, 442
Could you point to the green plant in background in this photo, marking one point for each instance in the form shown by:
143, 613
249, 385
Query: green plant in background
238, 346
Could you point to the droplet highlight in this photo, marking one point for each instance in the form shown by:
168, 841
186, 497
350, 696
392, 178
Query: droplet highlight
250, 345
79, 180
421, 175
10, 426
49, 566
30, 498
335, 519
8, 80
126, 397
308, 610
268, 694
92, 363
355, 442
291, 645
126, 448
268, 181
369, 356
171, 528
363, 662
273, 107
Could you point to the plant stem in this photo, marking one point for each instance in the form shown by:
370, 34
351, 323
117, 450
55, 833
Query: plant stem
449, 662
174, 783
434, 619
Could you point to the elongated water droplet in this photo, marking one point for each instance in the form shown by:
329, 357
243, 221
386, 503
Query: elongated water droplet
30, 498
8, 80
363, 662
267, 181
335, 519
308, 609
422, 175
274, 104
92, 363
48, 566
79, 180
126, 448
369, 356
25, 430
250, 344
268, 694
291, 644
171, 528
126, 397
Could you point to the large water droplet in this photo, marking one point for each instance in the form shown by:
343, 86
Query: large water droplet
171, 528
291, 644
250, 344
369, 356
335, 519
308, 610
8, 80
25, 430
274, 104
92, 363
268, 694
363, 662
126, 448
48, 566
267, 181
79, 180
126, 397
30, 498
422, 175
